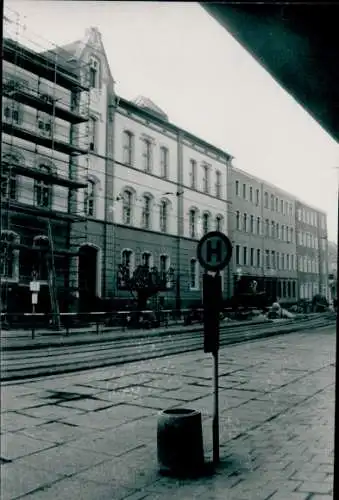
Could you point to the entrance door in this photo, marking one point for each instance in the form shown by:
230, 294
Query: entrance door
87, 276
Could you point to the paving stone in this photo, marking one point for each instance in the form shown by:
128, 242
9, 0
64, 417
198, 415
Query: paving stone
13, 421
64, 459
315, 487
157, 403
55, 432
14, 445
51, 412
85, 490
86, 404
18, 480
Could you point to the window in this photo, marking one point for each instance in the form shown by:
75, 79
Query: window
272, 228
244, 191
292, 235
127, 207
282, 206
11, 112
206, 184
282, 262
272, 202
192, 223
146, 212
193, 274
245, 223
283, 233
237, 219
164, 155
89, 199
128, 140
45, 125
9, 262
9, 181
43, 189
193, 174
147, 155
286, 208
276, 204
126, 258
291, 209
164, 266
273, 259
92, 134
163, 216
93, 73
237, 188
267, 227
257, 197
252, 257
205, 223
252, 224
258, 225
287, 262
258, 257
146, 259
267, 259
277, 234
244, 256
218, 223
278, 260
292, 262
266, 199
218, 184
251, 194
237, 254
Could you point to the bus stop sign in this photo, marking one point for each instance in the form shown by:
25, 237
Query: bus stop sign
214, 251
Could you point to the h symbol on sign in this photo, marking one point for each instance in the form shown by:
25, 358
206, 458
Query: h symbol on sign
216, 250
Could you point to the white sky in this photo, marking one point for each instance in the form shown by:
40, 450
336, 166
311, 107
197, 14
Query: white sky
181, 58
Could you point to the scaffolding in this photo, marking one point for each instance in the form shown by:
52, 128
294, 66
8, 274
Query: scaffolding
45, 162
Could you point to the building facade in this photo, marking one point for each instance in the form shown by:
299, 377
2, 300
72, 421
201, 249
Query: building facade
169, 189
262, 229
312, 250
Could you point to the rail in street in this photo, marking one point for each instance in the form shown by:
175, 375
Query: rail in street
47, 358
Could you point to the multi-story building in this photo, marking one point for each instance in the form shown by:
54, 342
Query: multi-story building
262, 230
170, 188
55, 143
312, 251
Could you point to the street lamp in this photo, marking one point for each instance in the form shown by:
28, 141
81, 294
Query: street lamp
179, 231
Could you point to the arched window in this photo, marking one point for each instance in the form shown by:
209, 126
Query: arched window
127, 260
193, 223
194, 281
219, 223
266, 199
128, 142
164, 216
43, 188
205, 222
146, 211
258, 225
272, 229
252, 224
146, 259
148, 155
90, 199
9, 262
164, 155
127, 207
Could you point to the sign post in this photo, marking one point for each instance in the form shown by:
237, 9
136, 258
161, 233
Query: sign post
214, 253
34, 287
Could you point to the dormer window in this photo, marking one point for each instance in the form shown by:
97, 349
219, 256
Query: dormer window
94, 73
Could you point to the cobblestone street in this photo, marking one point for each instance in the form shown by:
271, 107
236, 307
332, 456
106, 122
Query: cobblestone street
92, 435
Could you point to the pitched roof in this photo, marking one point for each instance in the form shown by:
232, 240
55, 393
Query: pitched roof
150, 106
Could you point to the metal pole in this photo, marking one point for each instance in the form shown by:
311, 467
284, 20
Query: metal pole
216, 455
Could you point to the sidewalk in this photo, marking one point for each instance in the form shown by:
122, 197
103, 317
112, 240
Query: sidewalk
92, 436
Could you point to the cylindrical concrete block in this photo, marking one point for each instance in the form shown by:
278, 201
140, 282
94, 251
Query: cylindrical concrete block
180, 441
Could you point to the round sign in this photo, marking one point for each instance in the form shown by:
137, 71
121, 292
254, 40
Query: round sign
214, 251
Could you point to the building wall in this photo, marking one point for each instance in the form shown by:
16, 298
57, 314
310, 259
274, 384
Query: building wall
251, 197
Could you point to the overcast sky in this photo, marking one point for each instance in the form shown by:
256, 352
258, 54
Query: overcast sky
181, 58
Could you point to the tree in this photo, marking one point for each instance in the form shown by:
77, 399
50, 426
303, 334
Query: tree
144, 282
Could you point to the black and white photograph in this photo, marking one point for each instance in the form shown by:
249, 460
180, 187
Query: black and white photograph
169, 250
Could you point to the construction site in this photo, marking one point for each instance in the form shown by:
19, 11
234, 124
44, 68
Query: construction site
45, 194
